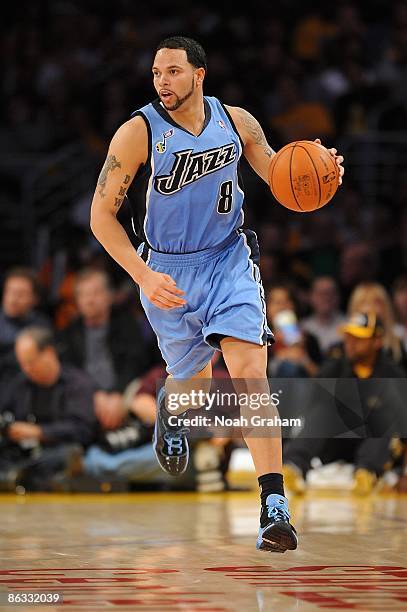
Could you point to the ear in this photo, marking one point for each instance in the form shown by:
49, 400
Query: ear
200, 75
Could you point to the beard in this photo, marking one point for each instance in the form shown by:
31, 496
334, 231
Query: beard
180, 101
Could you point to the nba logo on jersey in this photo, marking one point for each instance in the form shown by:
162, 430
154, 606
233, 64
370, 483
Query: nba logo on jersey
222, 125
161, 146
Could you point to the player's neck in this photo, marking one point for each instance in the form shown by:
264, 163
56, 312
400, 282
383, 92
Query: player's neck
191, 115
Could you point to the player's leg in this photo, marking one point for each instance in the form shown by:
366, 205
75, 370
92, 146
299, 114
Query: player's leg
170, 441
188, 356
201, 381
248, 362
247, 365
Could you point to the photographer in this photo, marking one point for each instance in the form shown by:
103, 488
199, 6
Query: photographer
127, 453
48, 415
107, 343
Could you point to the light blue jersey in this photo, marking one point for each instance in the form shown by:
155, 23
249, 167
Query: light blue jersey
191, 230
193, 200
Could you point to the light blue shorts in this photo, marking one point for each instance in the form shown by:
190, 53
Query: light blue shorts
224, 296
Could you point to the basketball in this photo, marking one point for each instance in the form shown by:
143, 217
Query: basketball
303, 176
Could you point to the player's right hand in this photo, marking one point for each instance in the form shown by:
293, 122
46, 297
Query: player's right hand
161, 290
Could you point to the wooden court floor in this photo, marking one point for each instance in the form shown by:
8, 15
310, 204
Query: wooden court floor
194, 552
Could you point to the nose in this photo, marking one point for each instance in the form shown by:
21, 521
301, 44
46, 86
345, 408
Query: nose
163, 80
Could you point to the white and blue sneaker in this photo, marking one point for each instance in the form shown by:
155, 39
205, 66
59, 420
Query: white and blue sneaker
278, 535
170, 443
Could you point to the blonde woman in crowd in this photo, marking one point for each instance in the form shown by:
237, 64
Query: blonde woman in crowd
373, 297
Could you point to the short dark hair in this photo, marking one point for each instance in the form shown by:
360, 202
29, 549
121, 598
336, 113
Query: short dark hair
85, 273
195, 52
28, 274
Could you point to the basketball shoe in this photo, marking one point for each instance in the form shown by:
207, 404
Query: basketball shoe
277, 535
169, 442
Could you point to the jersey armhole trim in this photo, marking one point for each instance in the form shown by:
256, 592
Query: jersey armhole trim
147, 166
229, 116
143, 172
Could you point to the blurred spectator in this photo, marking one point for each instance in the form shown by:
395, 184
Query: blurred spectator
295, 352
107, 343
311, 33
297, 118
392, 67
325, 319
359, 263
21, 295
124, 452
371, 426
59, 272
400, 306
47, 415
354, 108
374, 297
130, 455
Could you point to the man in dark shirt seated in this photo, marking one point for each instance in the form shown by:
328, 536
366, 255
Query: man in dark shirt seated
47, 414
138, 464
19, 301
367, 414
107, 343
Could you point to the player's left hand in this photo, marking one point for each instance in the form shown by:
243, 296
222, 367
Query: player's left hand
338, 160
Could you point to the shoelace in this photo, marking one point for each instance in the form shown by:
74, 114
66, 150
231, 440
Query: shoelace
278, 513
174, 438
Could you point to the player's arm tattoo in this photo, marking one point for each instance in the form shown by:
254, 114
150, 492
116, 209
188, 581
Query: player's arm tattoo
122, 192
254, 128
110, 164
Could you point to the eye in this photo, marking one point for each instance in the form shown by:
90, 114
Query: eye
173, 71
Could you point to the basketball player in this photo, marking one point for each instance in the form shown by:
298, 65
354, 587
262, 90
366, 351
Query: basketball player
197, 269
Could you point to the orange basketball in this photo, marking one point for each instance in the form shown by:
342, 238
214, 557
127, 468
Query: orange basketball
303, 176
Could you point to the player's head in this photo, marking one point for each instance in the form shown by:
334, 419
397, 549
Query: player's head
178, 70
